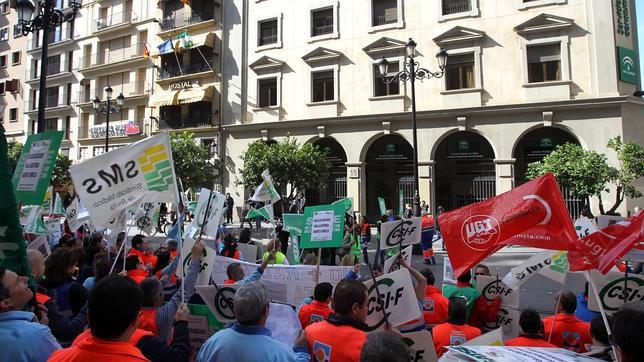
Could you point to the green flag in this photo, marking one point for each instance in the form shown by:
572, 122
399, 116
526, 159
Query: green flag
347, 202
266, 212
34, 224
293, 223
35, 167
58, 208
13, 247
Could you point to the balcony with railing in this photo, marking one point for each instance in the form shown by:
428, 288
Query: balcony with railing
173, 71
192, 115
115, 20
60, 100
108, 57
456, 6
389, 16
322, 29
176, 124
54, 69
117, 129
56, 37
185, 20
129, 90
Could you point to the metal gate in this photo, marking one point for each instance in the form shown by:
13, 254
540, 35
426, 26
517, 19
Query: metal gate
575, 205
335, 189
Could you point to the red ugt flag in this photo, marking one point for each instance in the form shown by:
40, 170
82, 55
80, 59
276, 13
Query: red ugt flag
533, 214
601, 249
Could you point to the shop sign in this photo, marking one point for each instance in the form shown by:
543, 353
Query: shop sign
623, 17
183, 85
627, 65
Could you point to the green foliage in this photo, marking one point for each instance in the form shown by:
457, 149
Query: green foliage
289, 163
193, 162
631, 161
14, 151
61, 178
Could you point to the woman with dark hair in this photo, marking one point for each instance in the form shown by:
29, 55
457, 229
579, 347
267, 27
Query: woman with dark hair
60, 283
244, 237
101, 269
230, 248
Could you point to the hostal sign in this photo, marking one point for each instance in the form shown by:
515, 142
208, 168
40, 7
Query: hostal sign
183, 85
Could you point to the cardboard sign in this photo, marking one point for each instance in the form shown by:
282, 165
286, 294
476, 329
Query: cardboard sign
248, 251
114, 181
323, 226
391, 264
283, 323
448, 272
399, 299
198, 330
421, 346
514, 354
584, 227
219, 300
41, 244
507, 320
54, 230
611, 289
550, 263
293, 223
206, 264
71, 214
407, 231
491, 338
491, 288
215, 213
382, 206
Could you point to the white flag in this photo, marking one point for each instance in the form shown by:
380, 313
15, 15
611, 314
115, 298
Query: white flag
266, 191
114, 181
217, 201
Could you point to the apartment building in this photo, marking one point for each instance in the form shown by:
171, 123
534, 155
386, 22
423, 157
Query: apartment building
522, 77
13, 65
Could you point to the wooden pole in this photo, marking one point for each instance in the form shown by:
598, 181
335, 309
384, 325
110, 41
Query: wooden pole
317, 267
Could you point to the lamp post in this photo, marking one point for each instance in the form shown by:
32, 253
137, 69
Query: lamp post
108, 109
411, 72
48, 18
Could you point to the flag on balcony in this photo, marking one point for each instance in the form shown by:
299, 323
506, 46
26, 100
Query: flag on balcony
165, 47
185, 41
146, 52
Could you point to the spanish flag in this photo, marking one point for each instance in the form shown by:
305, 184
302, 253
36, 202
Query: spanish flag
146, 52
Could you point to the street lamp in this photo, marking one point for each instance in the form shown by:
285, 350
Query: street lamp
412, 72
48, 18
108, 109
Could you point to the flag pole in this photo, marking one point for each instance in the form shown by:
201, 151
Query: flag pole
602, 311
122, 248
175, 56
554, 317
317, 267
378, 298
624, 292
206, 60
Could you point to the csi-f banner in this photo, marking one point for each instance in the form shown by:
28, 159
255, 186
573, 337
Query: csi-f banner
132, 175
508, 320
549, 263
205, 266
600, 250
397, 232
611, 290
13, 247
35, 167
513, 354
533, 214
392, 264
293, 223
398, 297
323, 226
215, 212
491, 288
219, 300
421, 346
348, 204
266, 191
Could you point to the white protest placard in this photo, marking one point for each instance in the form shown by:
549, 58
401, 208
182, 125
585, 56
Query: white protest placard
515, 354
584, 227
399, 299
448, 272
285, 283
407, 231
219, 300
248, 251
41, 244
322, 227
215, 212
283, 323
147, 216
198, 330
491, 288
132, 175
71, 215
491, 338
550, 263
421, 346
392, 264
54, 230
206, 264
611, 288
507, 320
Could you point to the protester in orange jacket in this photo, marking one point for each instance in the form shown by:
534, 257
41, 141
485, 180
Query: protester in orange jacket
319, 309
113, 308
340, 338
454, 332
434, 303
569, 332
532, 328
139, 246
134, 269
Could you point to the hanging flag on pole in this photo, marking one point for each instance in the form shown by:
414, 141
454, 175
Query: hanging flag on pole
34, 224
58, 209
266, 191
348, 204
185, 41
146, 52
35, 167
166, 47
13, 247
125, 177
266, 212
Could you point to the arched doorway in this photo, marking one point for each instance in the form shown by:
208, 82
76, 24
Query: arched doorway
533, 147
464, 170
389, 172
336, 187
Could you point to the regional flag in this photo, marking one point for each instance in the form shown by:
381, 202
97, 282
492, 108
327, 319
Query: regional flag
533, 214
165, 47
266, 191
129, 176
266, 212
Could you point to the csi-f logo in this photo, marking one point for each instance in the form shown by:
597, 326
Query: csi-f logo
503, 319
202, 265
415, 355
612, 295
400, 232
494, 289
389, 298
479, 231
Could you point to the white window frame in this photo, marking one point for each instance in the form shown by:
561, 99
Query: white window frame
474, 12
336, 81
6, 29
478, 71
564, 53
521, 5
401, 86
399, 24
275, 45
336, 32
278, 79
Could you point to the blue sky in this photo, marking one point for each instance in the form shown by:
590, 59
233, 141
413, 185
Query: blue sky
639, 5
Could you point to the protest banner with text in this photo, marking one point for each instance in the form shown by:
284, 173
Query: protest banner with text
35, 167
215, 212
400, 232
421, 346
323, 226
398, 297
549, 263
514, 354
205, 266
392, 264
611, 290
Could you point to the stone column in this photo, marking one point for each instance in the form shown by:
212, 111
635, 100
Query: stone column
356, 186
504, 175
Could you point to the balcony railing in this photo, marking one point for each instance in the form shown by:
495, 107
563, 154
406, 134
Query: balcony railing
53, 68
186, 19
56, 36
456, 6
128, 89
117, 129
112, 56
388, 18
268, 39
184, 123
171, 72
115, 19
51, 101
322, 29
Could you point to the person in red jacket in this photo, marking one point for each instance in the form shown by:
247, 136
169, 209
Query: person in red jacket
532, 328
454, 332
569, 332
139, 248
135, 270
434, 303
113, 309
341, 336
319, 309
